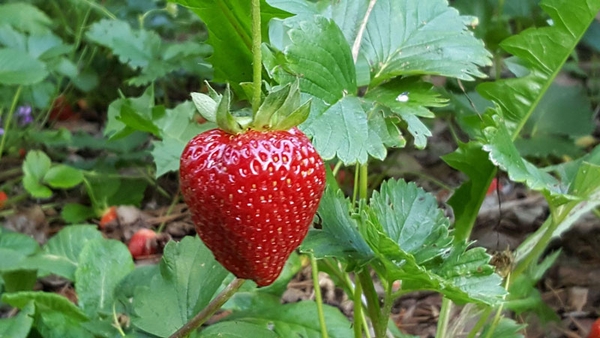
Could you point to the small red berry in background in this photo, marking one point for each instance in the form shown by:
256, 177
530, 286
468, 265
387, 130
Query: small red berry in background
495, 185
595, 329
143, 243
61, 110
3, 198
109, 215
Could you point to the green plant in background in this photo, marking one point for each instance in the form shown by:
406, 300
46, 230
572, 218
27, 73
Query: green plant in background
364, 66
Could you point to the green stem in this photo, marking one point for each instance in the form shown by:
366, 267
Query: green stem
162, 225
444, 318
209, 310
356, 185
318, 296
116, 324
358, 310
373, 307
364, 181
256, 55
11, 112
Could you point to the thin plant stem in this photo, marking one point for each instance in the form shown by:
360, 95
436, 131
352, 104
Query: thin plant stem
116, 324
356, 187
361, 30
163, 223
337, 167
358, 315
318, 296
372, 302
11, 112
444, 318
256, 55
209, 310
364, 181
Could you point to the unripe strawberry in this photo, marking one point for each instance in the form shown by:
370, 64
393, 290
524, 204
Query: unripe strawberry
252, 196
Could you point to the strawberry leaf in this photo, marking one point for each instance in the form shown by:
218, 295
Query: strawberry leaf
404, 37
19, 325
55, 315
411, 240
19, 68
60, 255
340, 236
229, 34
189, 277
516, 99
236, 330
102, 264
287, 320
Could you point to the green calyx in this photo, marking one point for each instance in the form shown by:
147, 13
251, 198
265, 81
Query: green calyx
281, 109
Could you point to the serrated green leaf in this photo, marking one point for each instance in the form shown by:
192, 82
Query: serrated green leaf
319, 55
410, 237
19, 68
143, 104
102, 265
421, 37
288, 320
25, 17
63, 176
340, 130
340, 236
229, 33
56, 316
61, 254
134, 47
19, 325
411, 218
505, 155
45, 302
236, 330
570, 21
506, 328
189, 277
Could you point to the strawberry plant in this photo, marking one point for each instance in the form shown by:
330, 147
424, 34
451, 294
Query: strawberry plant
302, 91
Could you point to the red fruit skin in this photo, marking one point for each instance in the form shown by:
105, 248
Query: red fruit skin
140, 244
108, 216
3, 198
493, 187
595, 329
252, 196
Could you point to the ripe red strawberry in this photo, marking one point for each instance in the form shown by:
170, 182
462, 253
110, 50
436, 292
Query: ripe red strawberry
141, 243
252, 196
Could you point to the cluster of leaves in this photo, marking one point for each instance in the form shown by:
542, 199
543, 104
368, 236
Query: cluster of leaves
109, 287
363, 69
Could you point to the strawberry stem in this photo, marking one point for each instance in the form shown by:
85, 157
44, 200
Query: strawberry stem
318, 296
256, 55
209, 310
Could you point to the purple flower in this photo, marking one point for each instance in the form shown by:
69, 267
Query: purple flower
24, 115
